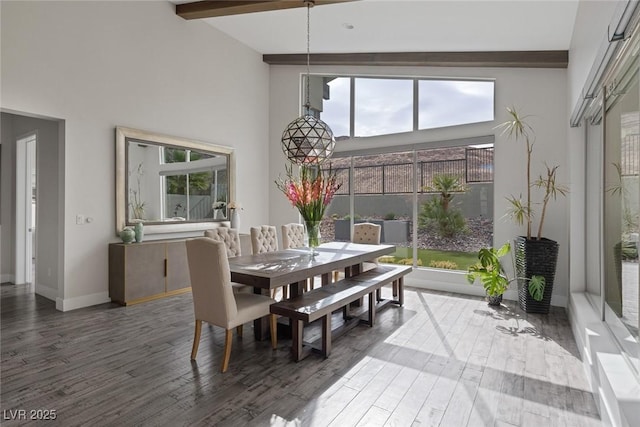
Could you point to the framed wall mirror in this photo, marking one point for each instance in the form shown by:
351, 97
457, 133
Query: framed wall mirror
171, 184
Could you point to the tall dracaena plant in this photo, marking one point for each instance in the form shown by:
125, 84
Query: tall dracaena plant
518, 128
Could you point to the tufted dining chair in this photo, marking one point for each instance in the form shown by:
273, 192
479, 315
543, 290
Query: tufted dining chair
231, 239
264, 239
215, 302
292, 238
369, 234
229, 236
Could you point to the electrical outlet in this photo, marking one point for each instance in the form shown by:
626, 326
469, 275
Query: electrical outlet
79, 219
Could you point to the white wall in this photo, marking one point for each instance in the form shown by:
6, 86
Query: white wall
97, 65
7, 202
538, 92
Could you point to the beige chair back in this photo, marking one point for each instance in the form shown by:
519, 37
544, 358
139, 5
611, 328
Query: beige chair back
292, 236
229, 236
366, 232
213, 299
264, 239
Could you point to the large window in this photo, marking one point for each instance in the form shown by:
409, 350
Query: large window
613, 202
369, 106
434, 204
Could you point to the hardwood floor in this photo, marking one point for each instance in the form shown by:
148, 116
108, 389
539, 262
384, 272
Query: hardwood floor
441, 360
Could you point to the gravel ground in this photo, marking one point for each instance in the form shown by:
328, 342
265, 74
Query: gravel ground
480, 235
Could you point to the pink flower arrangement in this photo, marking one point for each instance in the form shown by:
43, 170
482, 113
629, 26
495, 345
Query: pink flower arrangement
311, 192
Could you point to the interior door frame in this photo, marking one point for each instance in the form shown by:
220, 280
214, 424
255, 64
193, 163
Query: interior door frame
24, 247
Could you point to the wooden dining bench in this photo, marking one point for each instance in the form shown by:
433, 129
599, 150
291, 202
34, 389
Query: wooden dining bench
321, 302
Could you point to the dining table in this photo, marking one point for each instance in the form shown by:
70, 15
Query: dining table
292, 267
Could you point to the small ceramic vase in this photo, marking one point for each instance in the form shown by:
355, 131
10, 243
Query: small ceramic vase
139, 232
235, 219
127, 235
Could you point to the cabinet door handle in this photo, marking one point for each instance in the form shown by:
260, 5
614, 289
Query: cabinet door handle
165, 267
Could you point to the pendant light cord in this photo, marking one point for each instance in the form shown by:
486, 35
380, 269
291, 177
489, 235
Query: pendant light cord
307, 104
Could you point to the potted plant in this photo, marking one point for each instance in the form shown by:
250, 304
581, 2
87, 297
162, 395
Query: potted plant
494, 278
534, 254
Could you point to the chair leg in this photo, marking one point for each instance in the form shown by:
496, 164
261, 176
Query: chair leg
227, 350
239, 330
273, 328
196, 339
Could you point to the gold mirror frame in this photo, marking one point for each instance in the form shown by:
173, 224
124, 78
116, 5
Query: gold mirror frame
123, 135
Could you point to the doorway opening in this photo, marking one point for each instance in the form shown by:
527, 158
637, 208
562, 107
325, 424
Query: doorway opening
26, 205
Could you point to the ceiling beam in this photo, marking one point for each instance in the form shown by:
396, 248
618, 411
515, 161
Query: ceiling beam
514, 59
213, 8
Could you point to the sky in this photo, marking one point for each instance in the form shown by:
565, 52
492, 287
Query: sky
385, 106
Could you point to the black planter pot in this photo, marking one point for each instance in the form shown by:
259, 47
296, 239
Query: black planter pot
535, 258
494, 300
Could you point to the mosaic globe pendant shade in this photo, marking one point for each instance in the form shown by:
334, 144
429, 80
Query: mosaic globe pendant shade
308, 140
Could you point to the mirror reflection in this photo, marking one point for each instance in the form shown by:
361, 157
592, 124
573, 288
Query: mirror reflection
169, 183
175, 184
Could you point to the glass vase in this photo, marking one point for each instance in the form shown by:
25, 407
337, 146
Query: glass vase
312, 235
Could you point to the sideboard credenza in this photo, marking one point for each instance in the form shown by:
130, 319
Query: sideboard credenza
145, 271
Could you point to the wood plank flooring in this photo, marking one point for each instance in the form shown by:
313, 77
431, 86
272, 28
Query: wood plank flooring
441, 360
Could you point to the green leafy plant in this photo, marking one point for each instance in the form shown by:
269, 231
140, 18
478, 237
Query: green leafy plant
492, 275
446, 223
438, 212
446, 265
446, 186
521, 211
390, 216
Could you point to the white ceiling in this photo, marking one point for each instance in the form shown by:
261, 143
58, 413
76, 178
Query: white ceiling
408, 26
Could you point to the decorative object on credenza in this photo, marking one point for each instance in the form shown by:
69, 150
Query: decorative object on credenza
234, 213
128, 235
308, 139
311, 192
219, 208
139, 231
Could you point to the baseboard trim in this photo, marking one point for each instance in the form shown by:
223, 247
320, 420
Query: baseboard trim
47, 292
68, 304
456, 281
10, 278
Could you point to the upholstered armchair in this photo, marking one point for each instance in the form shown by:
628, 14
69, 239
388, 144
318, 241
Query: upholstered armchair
215, 302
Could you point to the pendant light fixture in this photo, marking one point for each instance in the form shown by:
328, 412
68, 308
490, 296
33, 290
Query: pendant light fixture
308, 140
